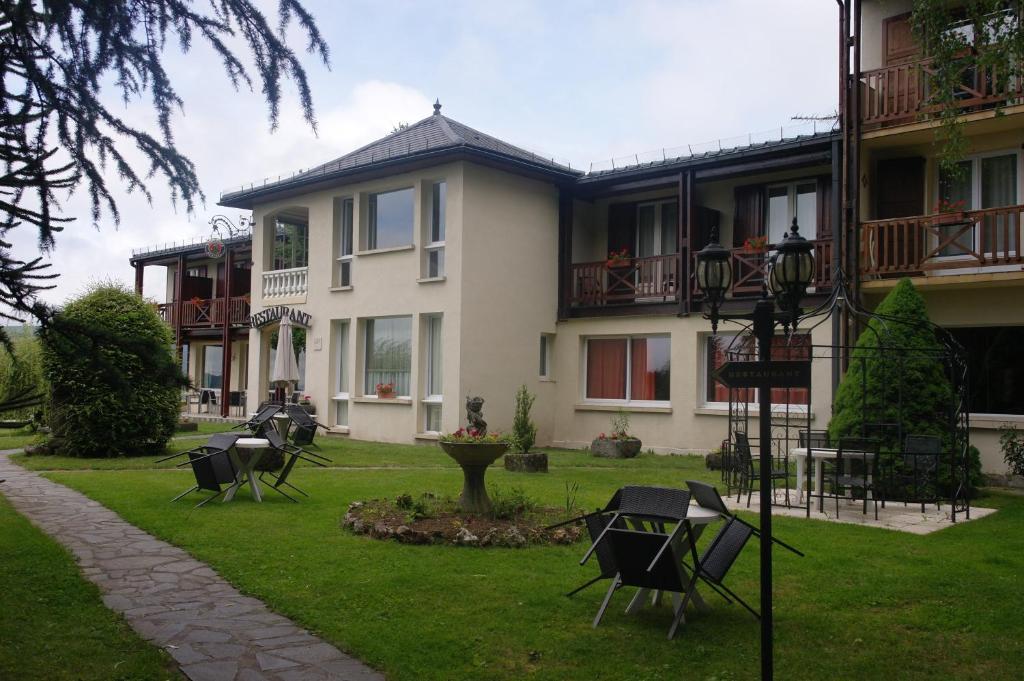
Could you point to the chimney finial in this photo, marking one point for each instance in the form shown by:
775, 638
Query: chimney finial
437, 107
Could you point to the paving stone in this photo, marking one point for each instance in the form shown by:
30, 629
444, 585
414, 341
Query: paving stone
213, 631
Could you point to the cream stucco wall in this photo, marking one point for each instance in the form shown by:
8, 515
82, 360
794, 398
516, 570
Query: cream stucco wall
873, 13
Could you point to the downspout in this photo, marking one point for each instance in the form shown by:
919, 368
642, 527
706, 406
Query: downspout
855, 143
837, 244
840, 193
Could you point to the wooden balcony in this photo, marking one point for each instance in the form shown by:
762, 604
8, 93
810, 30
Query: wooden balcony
635, 280
748, 270
900, 93
915, 245
207, 313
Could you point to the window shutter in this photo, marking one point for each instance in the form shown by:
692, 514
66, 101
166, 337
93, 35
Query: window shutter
749, 218
622, 227
825, 207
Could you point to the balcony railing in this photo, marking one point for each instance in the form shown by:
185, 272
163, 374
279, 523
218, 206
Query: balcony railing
913, 245
207, 312
900, 93
748, 269
635, 280
285, 283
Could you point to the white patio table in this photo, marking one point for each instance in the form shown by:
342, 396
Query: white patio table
818, 454
699, 518
247, 466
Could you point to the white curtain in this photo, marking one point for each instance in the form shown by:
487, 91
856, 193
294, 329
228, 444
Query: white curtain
388, 353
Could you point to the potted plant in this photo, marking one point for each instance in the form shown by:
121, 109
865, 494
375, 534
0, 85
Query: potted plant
949, 212
306, 402
618, 444
755, 244
524, 435
619, 258
474, 449
385, 391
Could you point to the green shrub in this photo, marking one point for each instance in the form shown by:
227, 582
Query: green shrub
896, 375
512, 504
524, 431
113, 375
21, 372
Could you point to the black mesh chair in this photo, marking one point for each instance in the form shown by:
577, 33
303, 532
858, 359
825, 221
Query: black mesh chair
813, 439
853, 468
303, 426
715, 562
749, 473
292, 455
212, 471
216, 443
919, 467
596, 524
707, 496
261, 422
657, 505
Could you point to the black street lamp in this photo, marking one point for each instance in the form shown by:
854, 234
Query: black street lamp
790, 272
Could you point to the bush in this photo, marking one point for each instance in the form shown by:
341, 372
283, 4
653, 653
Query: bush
21, 372
113, 375
510, 505
896, 375
1013, 449
524, 431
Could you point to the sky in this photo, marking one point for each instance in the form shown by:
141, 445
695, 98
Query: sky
578, 81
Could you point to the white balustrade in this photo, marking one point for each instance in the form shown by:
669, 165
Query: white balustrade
285, 283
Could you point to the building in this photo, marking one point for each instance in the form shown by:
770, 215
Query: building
449, 263
958, 238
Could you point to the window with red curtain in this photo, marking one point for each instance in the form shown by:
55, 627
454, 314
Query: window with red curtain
606, 368
718, 348
797, 347
641, 363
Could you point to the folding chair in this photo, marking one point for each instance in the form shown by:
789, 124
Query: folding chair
919, 467
707, 496
217, 443
596, 524
261, 420
292, 455
211, 471
714, 564
864, 452
748, 470
305, 426
653, 504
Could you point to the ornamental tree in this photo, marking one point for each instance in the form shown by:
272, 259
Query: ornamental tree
113, 376
524, 430
896, 374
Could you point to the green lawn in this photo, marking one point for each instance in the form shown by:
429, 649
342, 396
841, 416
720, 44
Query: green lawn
53, 624
864, 603
16, 438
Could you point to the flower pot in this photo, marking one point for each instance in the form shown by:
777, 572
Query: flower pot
616, 449
950, 218
474, 458
531, 462
385, 394
308, 408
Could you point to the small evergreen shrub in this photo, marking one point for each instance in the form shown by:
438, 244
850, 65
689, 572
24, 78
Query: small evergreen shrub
113, 375
524, 430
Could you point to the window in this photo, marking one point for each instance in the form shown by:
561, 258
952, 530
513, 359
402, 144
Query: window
434, 380
435, 237
388, 354
291, 245
988, 181
657, 228
213, 366
184, 360
546, 341
717, 350
793, 200
341, 378
995, 366
197, 272
628, 369
343, 214
390, 219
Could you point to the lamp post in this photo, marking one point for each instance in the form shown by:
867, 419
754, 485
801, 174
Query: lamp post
790, 271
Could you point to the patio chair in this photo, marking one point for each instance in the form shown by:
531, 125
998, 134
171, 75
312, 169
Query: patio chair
656, 505
304, 426
919, 468
211, 470
261, 421
216, 443
715, 562
292, 454
749, 473
813, 439
707, 496
861, 454
596, 524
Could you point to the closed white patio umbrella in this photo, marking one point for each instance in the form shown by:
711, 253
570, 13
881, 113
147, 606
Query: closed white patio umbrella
286, 367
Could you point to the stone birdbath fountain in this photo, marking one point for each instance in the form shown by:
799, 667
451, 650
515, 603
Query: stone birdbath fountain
474, 450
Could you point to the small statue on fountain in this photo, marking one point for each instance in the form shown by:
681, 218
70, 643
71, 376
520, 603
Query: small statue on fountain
475, 416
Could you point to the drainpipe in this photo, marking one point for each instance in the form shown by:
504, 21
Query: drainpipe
855, 179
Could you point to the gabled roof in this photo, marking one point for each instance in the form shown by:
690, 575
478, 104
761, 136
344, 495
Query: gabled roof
434, 136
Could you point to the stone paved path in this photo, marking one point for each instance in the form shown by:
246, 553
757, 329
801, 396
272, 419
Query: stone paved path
211, 630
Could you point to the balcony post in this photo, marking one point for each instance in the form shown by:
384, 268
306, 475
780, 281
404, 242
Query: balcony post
565, 220
225, 320
138, 277
179, 283
685, 226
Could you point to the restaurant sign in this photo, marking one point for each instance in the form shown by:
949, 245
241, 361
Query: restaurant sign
274, 314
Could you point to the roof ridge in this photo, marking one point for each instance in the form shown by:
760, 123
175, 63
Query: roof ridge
452, 135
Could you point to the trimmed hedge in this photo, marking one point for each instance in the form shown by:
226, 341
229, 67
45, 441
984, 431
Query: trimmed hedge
113, 375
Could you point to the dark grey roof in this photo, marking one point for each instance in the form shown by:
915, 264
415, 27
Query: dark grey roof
435, 133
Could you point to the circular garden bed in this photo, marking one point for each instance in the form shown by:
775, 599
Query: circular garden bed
516, 522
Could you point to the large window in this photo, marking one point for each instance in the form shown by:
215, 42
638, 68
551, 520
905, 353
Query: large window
434, 384
657, 228
291, 245
717, 350
343, 215
628, 369
341, 372
390, 220
388, 354
435, 233
213, 366
793, 200
988, 181
995, 366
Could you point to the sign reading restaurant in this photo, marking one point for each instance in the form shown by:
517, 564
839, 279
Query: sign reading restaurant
274, 314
